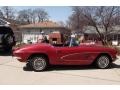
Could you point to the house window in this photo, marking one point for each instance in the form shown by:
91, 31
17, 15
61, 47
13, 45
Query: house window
28, 31
40, 30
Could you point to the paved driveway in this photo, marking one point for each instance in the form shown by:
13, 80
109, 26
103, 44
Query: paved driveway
11, 72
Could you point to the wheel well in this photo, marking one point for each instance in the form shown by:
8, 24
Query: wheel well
38, 54
101, 55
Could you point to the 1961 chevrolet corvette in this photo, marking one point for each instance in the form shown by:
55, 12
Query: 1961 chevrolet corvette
39, 56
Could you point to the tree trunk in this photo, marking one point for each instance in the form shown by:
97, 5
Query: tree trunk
100, 35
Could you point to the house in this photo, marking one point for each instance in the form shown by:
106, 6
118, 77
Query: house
34, 32
114, 34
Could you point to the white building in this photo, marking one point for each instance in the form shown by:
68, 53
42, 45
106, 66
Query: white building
34, 32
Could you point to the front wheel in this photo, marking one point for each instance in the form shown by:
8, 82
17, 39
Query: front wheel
103, 62
38, 63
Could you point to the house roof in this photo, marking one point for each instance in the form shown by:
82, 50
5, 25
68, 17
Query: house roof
91, 29
45, 24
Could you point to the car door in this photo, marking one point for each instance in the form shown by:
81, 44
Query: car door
73, 55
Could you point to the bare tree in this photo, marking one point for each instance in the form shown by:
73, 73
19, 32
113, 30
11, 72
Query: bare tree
103, 17
76, 20
41, 14
32, 16
61, 23
25, 16
8, 12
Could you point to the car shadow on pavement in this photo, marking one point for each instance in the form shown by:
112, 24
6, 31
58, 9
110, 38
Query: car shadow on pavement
88, 67
72, 67
5, 53
115, 66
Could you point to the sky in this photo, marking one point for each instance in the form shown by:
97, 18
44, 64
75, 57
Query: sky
56, 13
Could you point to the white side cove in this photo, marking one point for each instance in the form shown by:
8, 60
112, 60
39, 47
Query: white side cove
4, 22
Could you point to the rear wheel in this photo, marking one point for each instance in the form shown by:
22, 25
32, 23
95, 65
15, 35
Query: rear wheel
38, 63
103, 62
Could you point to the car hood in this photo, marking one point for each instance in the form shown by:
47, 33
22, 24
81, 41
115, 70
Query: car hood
38, 44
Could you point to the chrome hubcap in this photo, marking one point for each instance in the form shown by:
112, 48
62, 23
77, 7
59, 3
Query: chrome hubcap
103, 62
39, 64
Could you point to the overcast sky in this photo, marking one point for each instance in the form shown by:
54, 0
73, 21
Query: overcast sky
56, 13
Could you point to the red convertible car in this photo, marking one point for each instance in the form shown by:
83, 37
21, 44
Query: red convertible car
39, 56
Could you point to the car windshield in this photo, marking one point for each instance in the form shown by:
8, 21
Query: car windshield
71, 42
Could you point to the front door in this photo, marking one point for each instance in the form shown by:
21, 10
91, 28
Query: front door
72, 55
